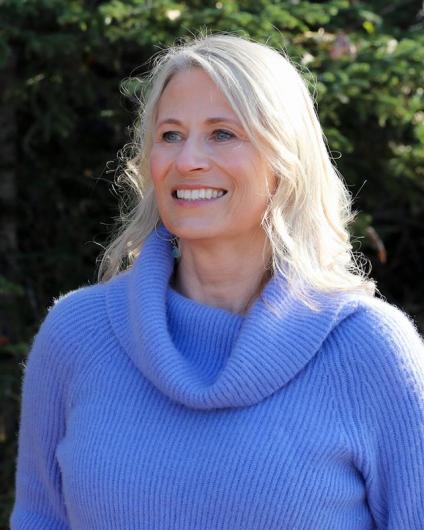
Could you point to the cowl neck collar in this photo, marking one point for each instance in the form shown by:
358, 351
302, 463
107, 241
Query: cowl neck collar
269, 345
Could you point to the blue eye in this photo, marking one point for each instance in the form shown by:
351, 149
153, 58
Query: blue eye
171, 136
222, 135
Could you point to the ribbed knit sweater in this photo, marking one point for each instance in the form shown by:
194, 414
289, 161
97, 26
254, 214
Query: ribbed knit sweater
145, 410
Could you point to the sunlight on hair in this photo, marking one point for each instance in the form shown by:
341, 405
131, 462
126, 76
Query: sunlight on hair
308, 215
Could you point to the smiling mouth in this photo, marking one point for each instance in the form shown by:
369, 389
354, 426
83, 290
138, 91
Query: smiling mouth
198, 194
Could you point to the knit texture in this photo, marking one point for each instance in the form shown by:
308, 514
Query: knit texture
145, 410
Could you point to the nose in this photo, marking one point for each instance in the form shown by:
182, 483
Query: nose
192, 157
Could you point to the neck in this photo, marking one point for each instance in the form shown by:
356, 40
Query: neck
229, 274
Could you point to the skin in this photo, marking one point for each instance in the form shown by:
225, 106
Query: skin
224, 249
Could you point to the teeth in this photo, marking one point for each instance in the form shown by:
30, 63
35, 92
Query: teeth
203, 193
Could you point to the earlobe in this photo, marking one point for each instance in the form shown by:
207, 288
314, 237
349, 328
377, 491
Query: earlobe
272, 185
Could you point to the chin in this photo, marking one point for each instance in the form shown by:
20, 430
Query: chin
186, 231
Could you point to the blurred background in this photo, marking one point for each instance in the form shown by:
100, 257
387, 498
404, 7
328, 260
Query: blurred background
68, 100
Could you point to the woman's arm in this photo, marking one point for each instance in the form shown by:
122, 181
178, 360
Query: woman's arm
396, 480
39, 504
381, 385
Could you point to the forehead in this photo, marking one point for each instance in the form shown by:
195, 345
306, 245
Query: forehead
192, 91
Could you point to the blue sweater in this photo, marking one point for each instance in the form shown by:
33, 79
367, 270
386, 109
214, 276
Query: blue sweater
145, 410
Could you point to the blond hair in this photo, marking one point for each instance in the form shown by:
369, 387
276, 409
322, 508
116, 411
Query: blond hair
308, 216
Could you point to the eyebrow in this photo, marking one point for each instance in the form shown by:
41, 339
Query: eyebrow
209, 121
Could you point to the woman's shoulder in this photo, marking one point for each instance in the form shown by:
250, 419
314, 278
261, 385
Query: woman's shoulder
75, 327
381, 322
379, 343
77, 308
79, 313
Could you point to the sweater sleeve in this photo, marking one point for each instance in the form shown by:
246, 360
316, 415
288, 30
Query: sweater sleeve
383, 410
39, 504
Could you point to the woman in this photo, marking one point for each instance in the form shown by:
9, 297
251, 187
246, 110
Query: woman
240, 374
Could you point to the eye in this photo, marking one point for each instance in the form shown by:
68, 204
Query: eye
171, 136
222, 135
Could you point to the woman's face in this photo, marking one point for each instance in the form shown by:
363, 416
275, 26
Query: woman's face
209, 179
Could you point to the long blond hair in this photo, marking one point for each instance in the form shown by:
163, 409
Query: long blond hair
308, 216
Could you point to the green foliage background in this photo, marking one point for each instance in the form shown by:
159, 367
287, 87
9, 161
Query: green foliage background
66, 61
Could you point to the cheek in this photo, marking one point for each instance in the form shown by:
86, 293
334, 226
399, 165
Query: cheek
158, 166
